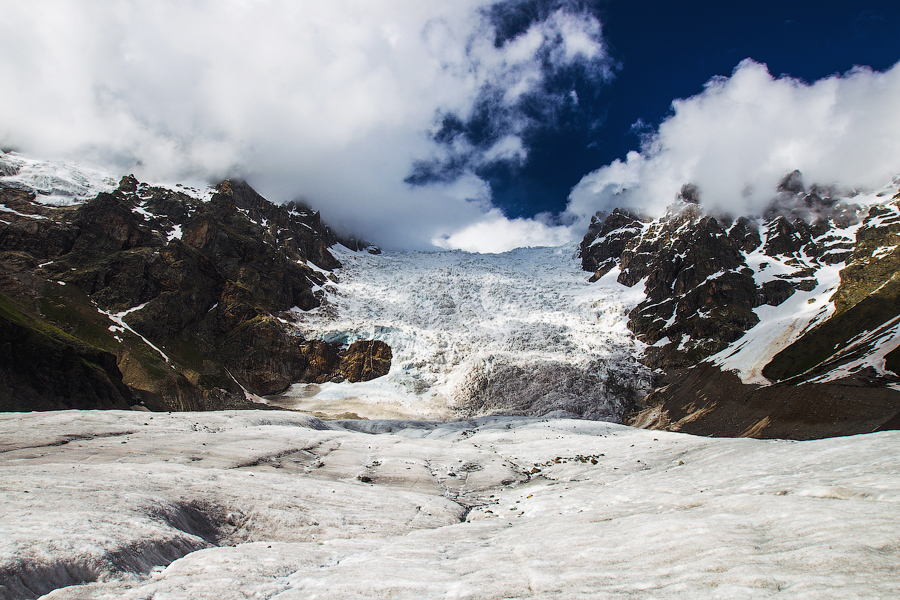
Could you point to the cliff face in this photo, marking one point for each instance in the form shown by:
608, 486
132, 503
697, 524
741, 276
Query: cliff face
157, 296
801, 303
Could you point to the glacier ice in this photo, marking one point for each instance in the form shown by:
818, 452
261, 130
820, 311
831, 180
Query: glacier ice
519, 333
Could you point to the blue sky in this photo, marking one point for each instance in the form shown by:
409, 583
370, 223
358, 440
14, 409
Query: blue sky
668, 50
475, 124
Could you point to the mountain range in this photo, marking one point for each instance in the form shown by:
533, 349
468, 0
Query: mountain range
122, 294
782, 325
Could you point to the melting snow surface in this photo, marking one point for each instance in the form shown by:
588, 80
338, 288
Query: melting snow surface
251, 504
454, 320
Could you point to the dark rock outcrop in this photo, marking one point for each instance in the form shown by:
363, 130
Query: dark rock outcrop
363, 360
704, 279
167, 300
41, 367
704, 400
607, 238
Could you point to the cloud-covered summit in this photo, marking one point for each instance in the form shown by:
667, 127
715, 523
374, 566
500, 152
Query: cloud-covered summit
739, 137
397, 118
378, 113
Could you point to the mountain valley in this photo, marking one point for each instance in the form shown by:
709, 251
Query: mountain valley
181, 298
290, 414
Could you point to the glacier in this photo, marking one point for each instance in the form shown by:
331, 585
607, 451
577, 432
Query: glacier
475, 334
280, 505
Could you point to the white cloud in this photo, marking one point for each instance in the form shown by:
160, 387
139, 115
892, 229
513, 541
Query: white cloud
330, 101
742, 134
509, 148
496, 233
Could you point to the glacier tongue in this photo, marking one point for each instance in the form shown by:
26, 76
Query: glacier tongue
515, 333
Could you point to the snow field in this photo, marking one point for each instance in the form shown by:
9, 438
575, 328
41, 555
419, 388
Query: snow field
64, 183
276, 505
464, 329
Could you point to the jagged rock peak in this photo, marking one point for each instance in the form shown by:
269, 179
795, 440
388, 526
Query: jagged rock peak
690, 193
128, 184
183, 302
792, 183
704, 277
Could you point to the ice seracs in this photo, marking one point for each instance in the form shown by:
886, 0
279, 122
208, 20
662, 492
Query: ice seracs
515, 333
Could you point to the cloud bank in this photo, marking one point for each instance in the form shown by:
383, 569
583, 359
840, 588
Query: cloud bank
739, 137
346, 104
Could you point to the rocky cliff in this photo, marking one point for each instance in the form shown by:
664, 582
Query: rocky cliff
780, 325
161, 297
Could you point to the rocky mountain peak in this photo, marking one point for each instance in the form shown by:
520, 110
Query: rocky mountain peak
803, 295
792, 184
704, 277
689, 194
185, 295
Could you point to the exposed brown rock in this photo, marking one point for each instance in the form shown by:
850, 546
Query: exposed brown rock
365, 360
707, 401
323, 361
202, 310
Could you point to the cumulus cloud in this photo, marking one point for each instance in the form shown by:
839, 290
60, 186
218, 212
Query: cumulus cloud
332, 102
496, 233
739, 137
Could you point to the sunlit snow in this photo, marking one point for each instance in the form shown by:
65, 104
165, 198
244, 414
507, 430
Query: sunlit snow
779, 326
277, 505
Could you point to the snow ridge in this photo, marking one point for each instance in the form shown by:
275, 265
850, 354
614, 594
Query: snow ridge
64, 183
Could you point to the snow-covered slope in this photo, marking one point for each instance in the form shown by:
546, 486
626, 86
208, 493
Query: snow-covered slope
276, 505
62, 183
736, 292
521, 332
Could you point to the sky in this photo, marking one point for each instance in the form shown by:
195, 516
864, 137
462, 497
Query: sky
475, 124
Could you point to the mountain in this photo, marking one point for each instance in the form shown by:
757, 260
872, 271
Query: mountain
783, 325
201, 299
118, 294
168, 298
